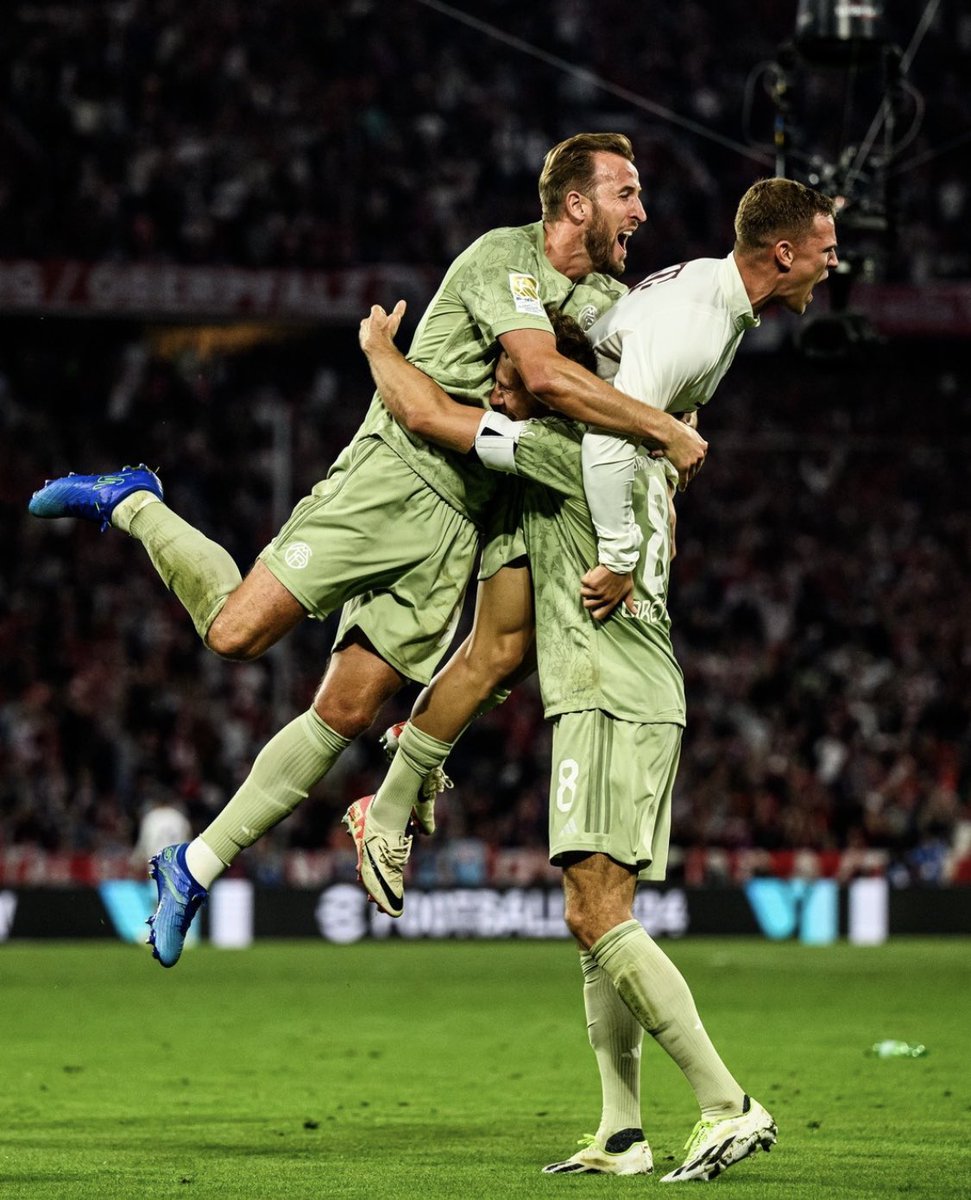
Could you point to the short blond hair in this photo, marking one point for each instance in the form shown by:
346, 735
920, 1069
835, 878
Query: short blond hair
569, 166
778, 208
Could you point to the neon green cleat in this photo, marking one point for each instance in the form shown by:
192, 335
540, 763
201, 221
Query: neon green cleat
623, 1153
716, 1145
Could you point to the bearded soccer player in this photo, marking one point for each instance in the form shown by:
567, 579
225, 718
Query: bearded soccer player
392, 531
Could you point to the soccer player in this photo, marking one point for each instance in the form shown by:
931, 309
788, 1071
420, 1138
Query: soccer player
615, 694
392, 531
669, 342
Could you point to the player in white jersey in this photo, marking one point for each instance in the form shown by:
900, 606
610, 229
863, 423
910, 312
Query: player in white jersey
670, 342
672, 338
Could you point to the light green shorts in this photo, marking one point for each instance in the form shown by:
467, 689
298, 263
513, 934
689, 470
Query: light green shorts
503, 541
374, 537
610, 789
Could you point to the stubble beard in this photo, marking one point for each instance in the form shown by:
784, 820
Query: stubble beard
599, 246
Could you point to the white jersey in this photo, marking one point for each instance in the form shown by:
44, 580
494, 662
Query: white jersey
668, 342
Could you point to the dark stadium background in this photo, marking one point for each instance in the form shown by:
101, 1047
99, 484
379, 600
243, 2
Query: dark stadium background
197, 204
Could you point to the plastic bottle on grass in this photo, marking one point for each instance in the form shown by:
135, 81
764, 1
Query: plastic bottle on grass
891, 1048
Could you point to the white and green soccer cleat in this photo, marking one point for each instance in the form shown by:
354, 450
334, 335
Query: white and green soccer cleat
716, 1145
434, 783
623, 1153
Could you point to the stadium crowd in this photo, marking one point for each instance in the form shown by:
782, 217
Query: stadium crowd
291, 133
819, 601
819, 596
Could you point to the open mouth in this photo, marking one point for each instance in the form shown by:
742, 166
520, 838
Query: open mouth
622, 239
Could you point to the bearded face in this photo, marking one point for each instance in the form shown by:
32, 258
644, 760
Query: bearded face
607, 254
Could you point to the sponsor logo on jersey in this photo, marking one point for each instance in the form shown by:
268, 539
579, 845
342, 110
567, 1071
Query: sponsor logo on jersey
298, 555
525, 293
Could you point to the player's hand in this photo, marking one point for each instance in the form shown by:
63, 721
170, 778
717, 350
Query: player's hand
602, 590
379, 327
686, 451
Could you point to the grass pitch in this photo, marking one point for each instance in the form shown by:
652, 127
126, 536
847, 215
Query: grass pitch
432, 1070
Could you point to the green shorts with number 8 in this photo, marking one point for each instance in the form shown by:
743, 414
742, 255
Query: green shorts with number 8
610, 789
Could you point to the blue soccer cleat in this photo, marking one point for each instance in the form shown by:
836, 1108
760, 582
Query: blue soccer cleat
93, 497
179, 899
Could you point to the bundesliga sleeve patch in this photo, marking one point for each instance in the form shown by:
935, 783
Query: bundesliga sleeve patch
525, 294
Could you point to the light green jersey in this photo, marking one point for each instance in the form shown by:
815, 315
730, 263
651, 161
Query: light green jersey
624, 665
500, 283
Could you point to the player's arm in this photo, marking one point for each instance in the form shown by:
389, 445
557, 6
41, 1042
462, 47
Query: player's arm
609, 583
608, 482
571, 389
413, 398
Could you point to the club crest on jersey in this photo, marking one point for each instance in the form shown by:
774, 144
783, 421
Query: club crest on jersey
525, 294
586, 316
297, 556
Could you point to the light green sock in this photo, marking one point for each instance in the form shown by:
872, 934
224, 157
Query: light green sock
285, 770
656, 993
616, 1037
417, 754
195, 568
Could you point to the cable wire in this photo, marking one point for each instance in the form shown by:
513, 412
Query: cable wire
591, 78
928, 15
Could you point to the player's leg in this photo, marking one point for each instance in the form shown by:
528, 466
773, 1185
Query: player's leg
493, 653
616, 1037
343, 538
356, 685
618, 1147
198, 571
613, 780
496, 655
358, 682
732, 1125
488, 659
502, 633
253, 617
238, 619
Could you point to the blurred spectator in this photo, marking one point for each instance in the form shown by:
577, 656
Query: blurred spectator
819, 598
162, 824
294, 134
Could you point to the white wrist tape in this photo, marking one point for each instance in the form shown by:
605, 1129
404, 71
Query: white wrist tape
495, 442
